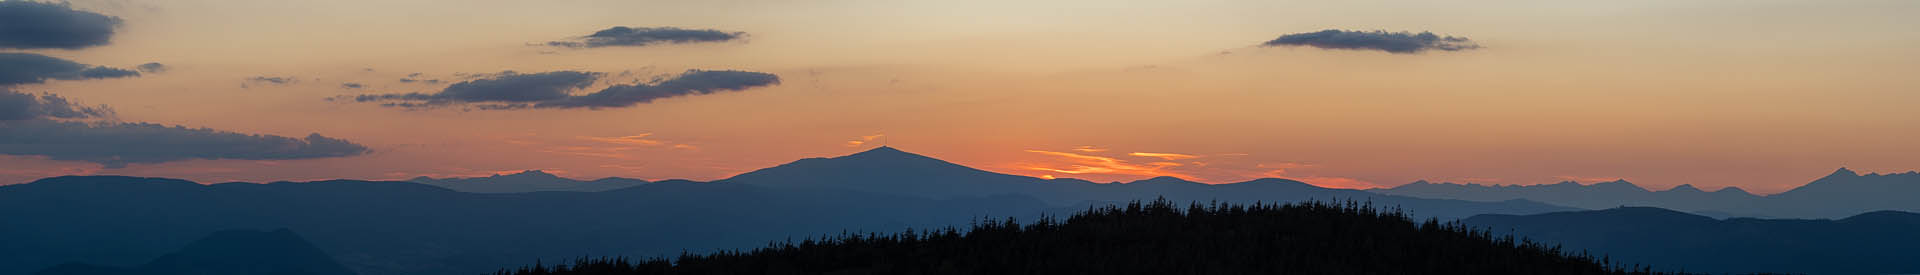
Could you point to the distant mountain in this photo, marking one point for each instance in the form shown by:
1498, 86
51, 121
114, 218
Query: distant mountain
1730, 200
1840, 194
1880, 242
1153, 238
380, 228
231, 252
408, 228
886, 170
528, 181
1846, 192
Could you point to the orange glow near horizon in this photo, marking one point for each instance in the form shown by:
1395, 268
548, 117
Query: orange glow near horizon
1780, 93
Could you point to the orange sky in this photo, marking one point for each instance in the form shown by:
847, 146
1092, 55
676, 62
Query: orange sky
1765, 95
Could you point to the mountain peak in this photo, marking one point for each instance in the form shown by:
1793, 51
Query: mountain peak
535, 173
1684, 188
1620, 183
1162, 180
1843, 172
884, 153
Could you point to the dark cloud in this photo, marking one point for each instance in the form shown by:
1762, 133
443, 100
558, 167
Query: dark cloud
351, 85
116, 144
27, 68
272, 79
511, 90
637, 37
249, 82
1392, 42
415, 77
37, 25
24, 106
692, 82
153, 67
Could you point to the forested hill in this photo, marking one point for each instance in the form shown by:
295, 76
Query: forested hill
1146, 238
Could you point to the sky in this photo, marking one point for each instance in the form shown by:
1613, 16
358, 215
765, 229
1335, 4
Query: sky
1764, 95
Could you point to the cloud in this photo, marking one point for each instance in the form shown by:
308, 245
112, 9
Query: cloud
36, 25
116, 144
27, 68
863, 140
23, 106
1089, 149
152, 67
275, 80
1165, 156
640, 139
639, 37
510, 90
1088, 164
415, 77
1391, 42
351, 85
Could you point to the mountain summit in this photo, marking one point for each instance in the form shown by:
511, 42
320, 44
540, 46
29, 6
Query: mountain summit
888, 170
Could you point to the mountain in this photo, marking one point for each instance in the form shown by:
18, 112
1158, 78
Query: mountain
1873, 243
891, 171
528, 181
1842, 193
408, 228
886, 170
1153, 238
378, 227
1845, 192
231, 252
1733, 201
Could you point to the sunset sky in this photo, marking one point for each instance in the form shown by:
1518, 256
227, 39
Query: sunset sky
1761, 94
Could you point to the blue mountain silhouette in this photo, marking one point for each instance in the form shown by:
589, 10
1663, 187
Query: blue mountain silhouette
1842, 193
230, 252
1878, 242
528, 181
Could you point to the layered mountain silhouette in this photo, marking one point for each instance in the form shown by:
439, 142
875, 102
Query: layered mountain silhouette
528, 181
376, 227
231, 252
1150, 238
885, 170
1840, 194
1601, 195
1880, 242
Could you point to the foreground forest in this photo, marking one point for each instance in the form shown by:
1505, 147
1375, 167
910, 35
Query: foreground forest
1147, 238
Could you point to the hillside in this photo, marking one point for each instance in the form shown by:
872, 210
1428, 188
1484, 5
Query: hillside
1872, 243
1151, 238
231, 252
379, 228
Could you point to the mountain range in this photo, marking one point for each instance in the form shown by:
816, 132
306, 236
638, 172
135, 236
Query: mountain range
1880, 242
385, 227
528, 181
1840, 194
227, 252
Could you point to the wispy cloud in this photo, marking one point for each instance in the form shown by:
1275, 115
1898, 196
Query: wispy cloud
1165, 156
556, 90
621, 36
1391, 42
640, 139
1090, 164
863, 140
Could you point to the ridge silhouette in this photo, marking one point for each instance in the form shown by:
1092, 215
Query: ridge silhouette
1879, 242
230, 252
